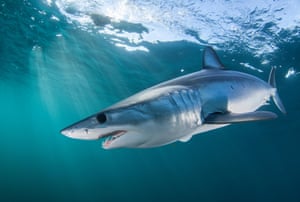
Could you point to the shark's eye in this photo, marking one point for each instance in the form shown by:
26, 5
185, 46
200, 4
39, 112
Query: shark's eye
101, 118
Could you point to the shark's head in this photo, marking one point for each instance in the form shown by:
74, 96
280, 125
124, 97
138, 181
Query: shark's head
118, 128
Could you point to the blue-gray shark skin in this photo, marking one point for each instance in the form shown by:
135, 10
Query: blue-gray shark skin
180, 108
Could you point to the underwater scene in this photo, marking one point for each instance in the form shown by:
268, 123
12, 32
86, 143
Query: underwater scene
64, 60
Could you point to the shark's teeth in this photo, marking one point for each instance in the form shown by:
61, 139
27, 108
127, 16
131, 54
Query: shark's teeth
116, 134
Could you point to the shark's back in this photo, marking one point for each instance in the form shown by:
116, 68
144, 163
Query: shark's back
191, 81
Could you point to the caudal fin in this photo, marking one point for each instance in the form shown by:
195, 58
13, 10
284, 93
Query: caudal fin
275, 96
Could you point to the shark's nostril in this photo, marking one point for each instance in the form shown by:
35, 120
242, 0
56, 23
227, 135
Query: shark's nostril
101, 118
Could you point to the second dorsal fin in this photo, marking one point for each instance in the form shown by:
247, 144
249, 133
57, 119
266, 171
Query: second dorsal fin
210, 59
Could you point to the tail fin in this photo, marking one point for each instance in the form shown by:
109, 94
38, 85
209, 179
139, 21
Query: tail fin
275, 96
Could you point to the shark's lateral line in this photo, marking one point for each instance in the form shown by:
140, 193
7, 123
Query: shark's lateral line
180, 108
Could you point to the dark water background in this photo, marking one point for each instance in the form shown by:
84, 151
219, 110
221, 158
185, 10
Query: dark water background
52, 73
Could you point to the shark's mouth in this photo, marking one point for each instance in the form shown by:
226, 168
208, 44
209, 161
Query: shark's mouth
110, 137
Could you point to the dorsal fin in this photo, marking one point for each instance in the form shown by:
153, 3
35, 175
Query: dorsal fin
210, 59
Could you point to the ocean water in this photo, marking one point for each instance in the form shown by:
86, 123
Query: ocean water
62, 60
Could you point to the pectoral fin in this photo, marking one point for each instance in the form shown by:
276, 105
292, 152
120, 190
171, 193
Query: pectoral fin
227, 118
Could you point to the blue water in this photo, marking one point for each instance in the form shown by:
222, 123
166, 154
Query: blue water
56, 69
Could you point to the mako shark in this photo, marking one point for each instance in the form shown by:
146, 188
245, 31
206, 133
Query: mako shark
177, 109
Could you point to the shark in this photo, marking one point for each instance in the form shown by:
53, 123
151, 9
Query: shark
180, 108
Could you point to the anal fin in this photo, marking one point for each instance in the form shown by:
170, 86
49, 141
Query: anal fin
228, 118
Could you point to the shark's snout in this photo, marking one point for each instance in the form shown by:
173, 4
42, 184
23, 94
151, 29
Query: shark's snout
65, 132
82, 133
109, 135
90, 128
